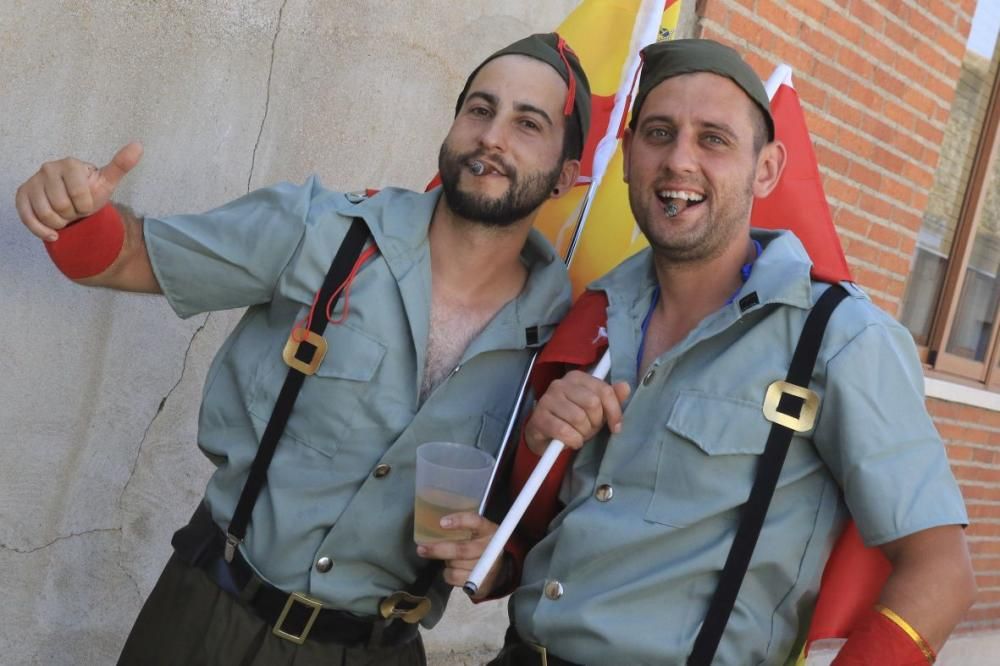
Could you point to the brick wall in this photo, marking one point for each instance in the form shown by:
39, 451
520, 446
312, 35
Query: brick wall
877, 80
972, 437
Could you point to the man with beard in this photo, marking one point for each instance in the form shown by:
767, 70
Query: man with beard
699, 327
308, 557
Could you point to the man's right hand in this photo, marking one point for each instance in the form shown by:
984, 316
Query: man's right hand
573, 410
68, 189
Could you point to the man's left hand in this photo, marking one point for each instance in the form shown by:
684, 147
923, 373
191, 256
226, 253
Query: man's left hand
461, 556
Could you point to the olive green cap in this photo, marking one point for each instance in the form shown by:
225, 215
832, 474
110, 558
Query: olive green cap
553, 50
663, 60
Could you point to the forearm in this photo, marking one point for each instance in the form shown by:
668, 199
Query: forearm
106, 250
930, 589
131, 270
932, 584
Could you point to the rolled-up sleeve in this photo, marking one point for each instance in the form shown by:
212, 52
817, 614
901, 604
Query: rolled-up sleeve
879, 441
232, 256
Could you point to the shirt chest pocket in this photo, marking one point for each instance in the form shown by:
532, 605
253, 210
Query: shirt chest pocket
337, 404
709, 450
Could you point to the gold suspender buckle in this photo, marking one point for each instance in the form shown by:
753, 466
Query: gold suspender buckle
807, 414
297, 598
292, 348
543, 655
404, 606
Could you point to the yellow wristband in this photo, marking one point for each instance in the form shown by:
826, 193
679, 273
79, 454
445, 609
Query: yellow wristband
914, 635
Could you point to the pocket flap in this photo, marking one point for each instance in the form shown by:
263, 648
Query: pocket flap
351, 354
707, 421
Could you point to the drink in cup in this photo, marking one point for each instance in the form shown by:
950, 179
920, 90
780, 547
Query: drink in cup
450, 478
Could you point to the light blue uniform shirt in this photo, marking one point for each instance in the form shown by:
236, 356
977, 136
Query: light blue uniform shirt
270, 250
636, 571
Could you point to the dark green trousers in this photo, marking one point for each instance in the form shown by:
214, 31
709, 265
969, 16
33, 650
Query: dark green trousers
189, 621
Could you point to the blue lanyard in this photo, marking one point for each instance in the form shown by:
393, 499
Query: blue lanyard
745, 270
645, 325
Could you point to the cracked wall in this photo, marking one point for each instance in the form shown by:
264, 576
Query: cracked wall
99, 391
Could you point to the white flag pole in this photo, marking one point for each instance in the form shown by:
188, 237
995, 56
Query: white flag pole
645, 30
782, 74
528, 492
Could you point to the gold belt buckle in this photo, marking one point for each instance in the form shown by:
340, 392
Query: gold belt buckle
309, 602
807, 415
292, 348
543, 654
404, 606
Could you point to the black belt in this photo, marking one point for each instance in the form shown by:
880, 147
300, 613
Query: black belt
519, 652
294, 617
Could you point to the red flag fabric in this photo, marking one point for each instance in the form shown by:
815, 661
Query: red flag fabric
852, 582
798, 202
579, 342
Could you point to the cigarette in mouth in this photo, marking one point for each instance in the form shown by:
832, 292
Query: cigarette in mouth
477, 168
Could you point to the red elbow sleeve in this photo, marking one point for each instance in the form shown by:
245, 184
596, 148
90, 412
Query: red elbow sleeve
878, 641
90, 245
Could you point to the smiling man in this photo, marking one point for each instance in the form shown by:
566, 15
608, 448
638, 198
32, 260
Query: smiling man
308, 557
699, 326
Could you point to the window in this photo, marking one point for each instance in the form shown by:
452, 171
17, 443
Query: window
952, 297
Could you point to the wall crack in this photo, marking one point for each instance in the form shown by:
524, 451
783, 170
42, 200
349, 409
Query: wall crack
267, 96
28, 551
159, 409
128, 574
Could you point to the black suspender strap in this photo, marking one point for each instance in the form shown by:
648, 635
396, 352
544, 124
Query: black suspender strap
791, 407
302, 359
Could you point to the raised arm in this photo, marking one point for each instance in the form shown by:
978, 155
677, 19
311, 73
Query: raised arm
67, 204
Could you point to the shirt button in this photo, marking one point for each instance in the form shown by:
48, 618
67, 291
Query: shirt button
553, 589
324, 564
382, 470
604, 492
648, 378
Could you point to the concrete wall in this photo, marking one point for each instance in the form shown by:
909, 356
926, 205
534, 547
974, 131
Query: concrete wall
99, 391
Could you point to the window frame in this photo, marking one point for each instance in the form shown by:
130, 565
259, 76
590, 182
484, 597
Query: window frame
935, 353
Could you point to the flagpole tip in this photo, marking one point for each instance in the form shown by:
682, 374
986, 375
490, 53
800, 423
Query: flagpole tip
782, 75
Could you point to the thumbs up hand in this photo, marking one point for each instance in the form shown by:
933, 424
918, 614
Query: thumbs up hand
66, 190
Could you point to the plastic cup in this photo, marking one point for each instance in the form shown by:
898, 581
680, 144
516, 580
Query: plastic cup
450, 478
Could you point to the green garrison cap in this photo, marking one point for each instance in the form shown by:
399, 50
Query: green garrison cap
663, 60
553, 50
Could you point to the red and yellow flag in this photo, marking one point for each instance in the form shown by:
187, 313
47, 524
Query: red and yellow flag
798, 202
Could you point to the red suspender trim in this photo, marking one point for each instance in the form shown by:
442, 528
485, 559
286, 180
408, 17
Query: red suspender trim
90, 245
298, 333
